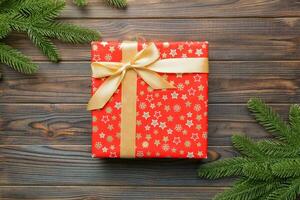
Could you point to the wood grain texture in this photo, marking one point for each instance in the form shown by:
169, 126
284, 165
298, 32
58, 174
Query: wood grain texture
107, 192
73, 165
186, 9
229, 82
230, 39
45, 129
69, 124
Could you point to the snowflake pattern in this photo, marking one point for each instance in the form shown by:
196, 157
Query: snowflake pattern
171, 123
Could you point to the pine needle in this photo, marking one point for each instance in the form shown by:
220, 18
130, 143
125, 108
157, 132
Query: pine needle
16, 60
37, 19
117, 3
81, 3
269, 169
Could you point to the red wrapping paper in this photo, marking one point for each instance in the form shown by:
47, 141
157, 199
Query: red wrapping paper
171, 123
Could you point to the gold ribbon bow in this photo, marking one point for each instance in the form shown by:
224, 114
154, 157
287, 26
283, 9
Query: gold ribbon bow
147, 65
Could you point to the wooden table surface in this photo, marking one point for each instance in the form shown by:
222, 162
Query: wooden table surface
45, 131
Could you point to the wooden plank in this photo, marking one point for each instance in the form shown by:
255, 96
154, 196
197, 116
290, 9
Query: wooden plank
69, 124
189, 9
230, 39
73, 165
229, 82
107, 192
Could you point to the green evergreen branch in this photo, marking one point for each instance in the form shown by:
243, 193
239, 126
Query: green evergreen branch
113, 3
81, 2
37, 19
294, 118
269, 169
247, 190
223, 168
269, 119
246, 146
288, 191
69, 33
47, 47
286, 168
16, 60
117, 3
278, 149
259, 170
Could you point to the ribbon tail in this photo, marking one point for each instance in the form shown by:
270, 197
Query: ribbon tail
153, 79
105, 92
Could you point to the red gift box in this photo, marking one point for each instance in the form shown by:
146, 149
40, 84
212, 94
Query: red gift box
170, 123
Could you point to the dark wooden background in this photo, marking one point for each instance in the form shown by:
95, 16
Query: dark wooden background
45, 129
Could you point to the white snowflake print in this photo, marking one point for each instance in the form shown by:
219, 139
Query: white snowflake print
197, 78
118, 105
199, 52
174, 95
105, 119
147, 128
108, 57
146, 115
166, 44
176, 108
143, 106
95, 47
189, 123
176, 140
149, 97
194, 136
165, 97
104, 149
157, 114
200, 153
169, 131
189, 114
162, 125
191, 91
165, 147
190, 155
197, 107
173, 52
180, 47
154, 123
180, 86
98, 145
102, 135
112, 49
178, 127
184, 97
104, 43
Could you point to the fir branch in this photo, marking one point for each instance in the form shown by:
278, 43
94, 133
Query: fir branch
288, 191
36, 18
259, 170
223, 168
278, 149
272, 167
16, 60
81, 2
44, 44
246, 146
117, 3
294, 117
269, 119
69, 33
286, 168
247, 190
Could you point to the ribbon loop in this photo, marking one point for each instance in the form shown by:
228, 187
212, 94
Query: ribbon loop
147, 65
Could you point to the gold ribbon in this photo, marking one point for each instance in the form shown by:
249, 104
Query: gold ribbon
145, 64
